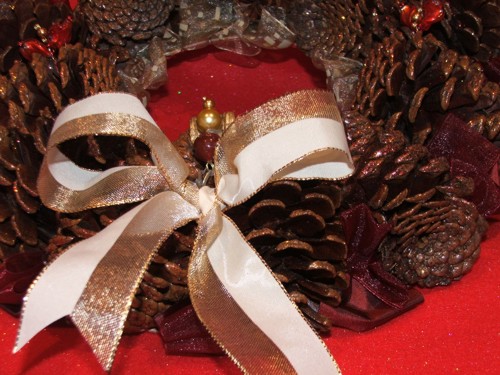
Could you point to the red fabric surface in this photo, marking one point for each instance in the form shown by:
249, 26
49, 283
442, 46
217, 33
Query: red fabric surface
455, 331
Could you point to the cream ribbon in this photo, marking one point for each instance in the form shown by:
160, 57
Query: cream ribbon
235, 294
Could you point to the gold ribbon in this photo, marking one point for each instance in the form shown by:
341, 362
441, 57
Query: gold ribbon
95, 280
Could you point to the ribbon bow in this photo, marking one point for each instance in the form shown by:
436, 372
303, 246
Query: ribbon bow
296, 136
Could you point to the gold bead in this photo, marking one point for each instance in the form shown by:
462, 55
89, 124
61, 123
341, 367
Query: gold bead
208, 118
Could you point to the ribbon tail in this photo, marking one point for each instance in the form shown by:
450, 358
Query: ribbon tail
262, 330
95, 281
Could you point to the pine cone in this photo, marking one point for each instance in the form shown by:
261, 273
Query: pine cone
418, 79
32, 93
164, 283
434, 243
120, 21
473, 27
341, 28
413, 192
294, 227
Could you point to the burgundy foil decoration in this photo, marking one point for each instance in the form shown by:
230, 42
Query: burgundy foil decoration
470, 155
183, 333
375, 295
16, 274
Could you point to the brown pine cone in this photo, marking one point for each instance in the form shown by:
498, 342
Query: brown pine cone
473, 26
32, 93
434, 243
294, 227
417, 80
130, 20
165, 282
341, 28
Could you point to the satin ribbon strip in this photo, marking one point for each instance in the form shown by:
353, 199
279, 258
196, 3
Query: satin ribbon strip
226, 275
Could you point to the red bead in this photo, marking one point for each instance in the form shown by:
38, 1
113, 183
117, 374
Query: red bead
60, 33
204, 146
28, 47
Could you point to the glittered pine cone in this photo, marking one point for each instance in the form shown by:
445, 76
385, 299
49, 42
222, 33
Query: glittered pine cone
32, 94
294, 227
418, 80
434, 243
473, 27
341, 28
117, 22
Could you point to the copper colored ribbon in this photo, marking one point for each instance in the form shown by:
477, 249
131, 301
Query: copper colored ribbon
225, 274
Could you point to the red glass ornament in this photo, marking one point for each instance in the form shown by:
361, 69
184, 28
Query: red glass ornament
204, 146
28, 47
60, 33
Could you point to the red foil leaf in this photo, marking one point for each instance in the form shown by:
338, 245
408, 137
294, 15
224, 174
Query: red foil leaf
16, 274
433, 12
471, 155
183, 333
60, 33
31, 46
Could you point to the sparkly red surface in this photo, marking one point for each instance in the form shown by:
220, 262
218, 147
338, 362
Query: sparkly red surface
455, 331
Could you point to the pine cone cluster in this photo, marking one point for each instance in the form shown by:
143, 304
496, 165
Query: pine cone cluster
127, 20
411, 190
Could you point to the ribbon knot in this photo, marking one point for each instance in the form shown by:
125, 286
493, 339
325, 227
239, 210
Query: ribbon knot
297, 136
